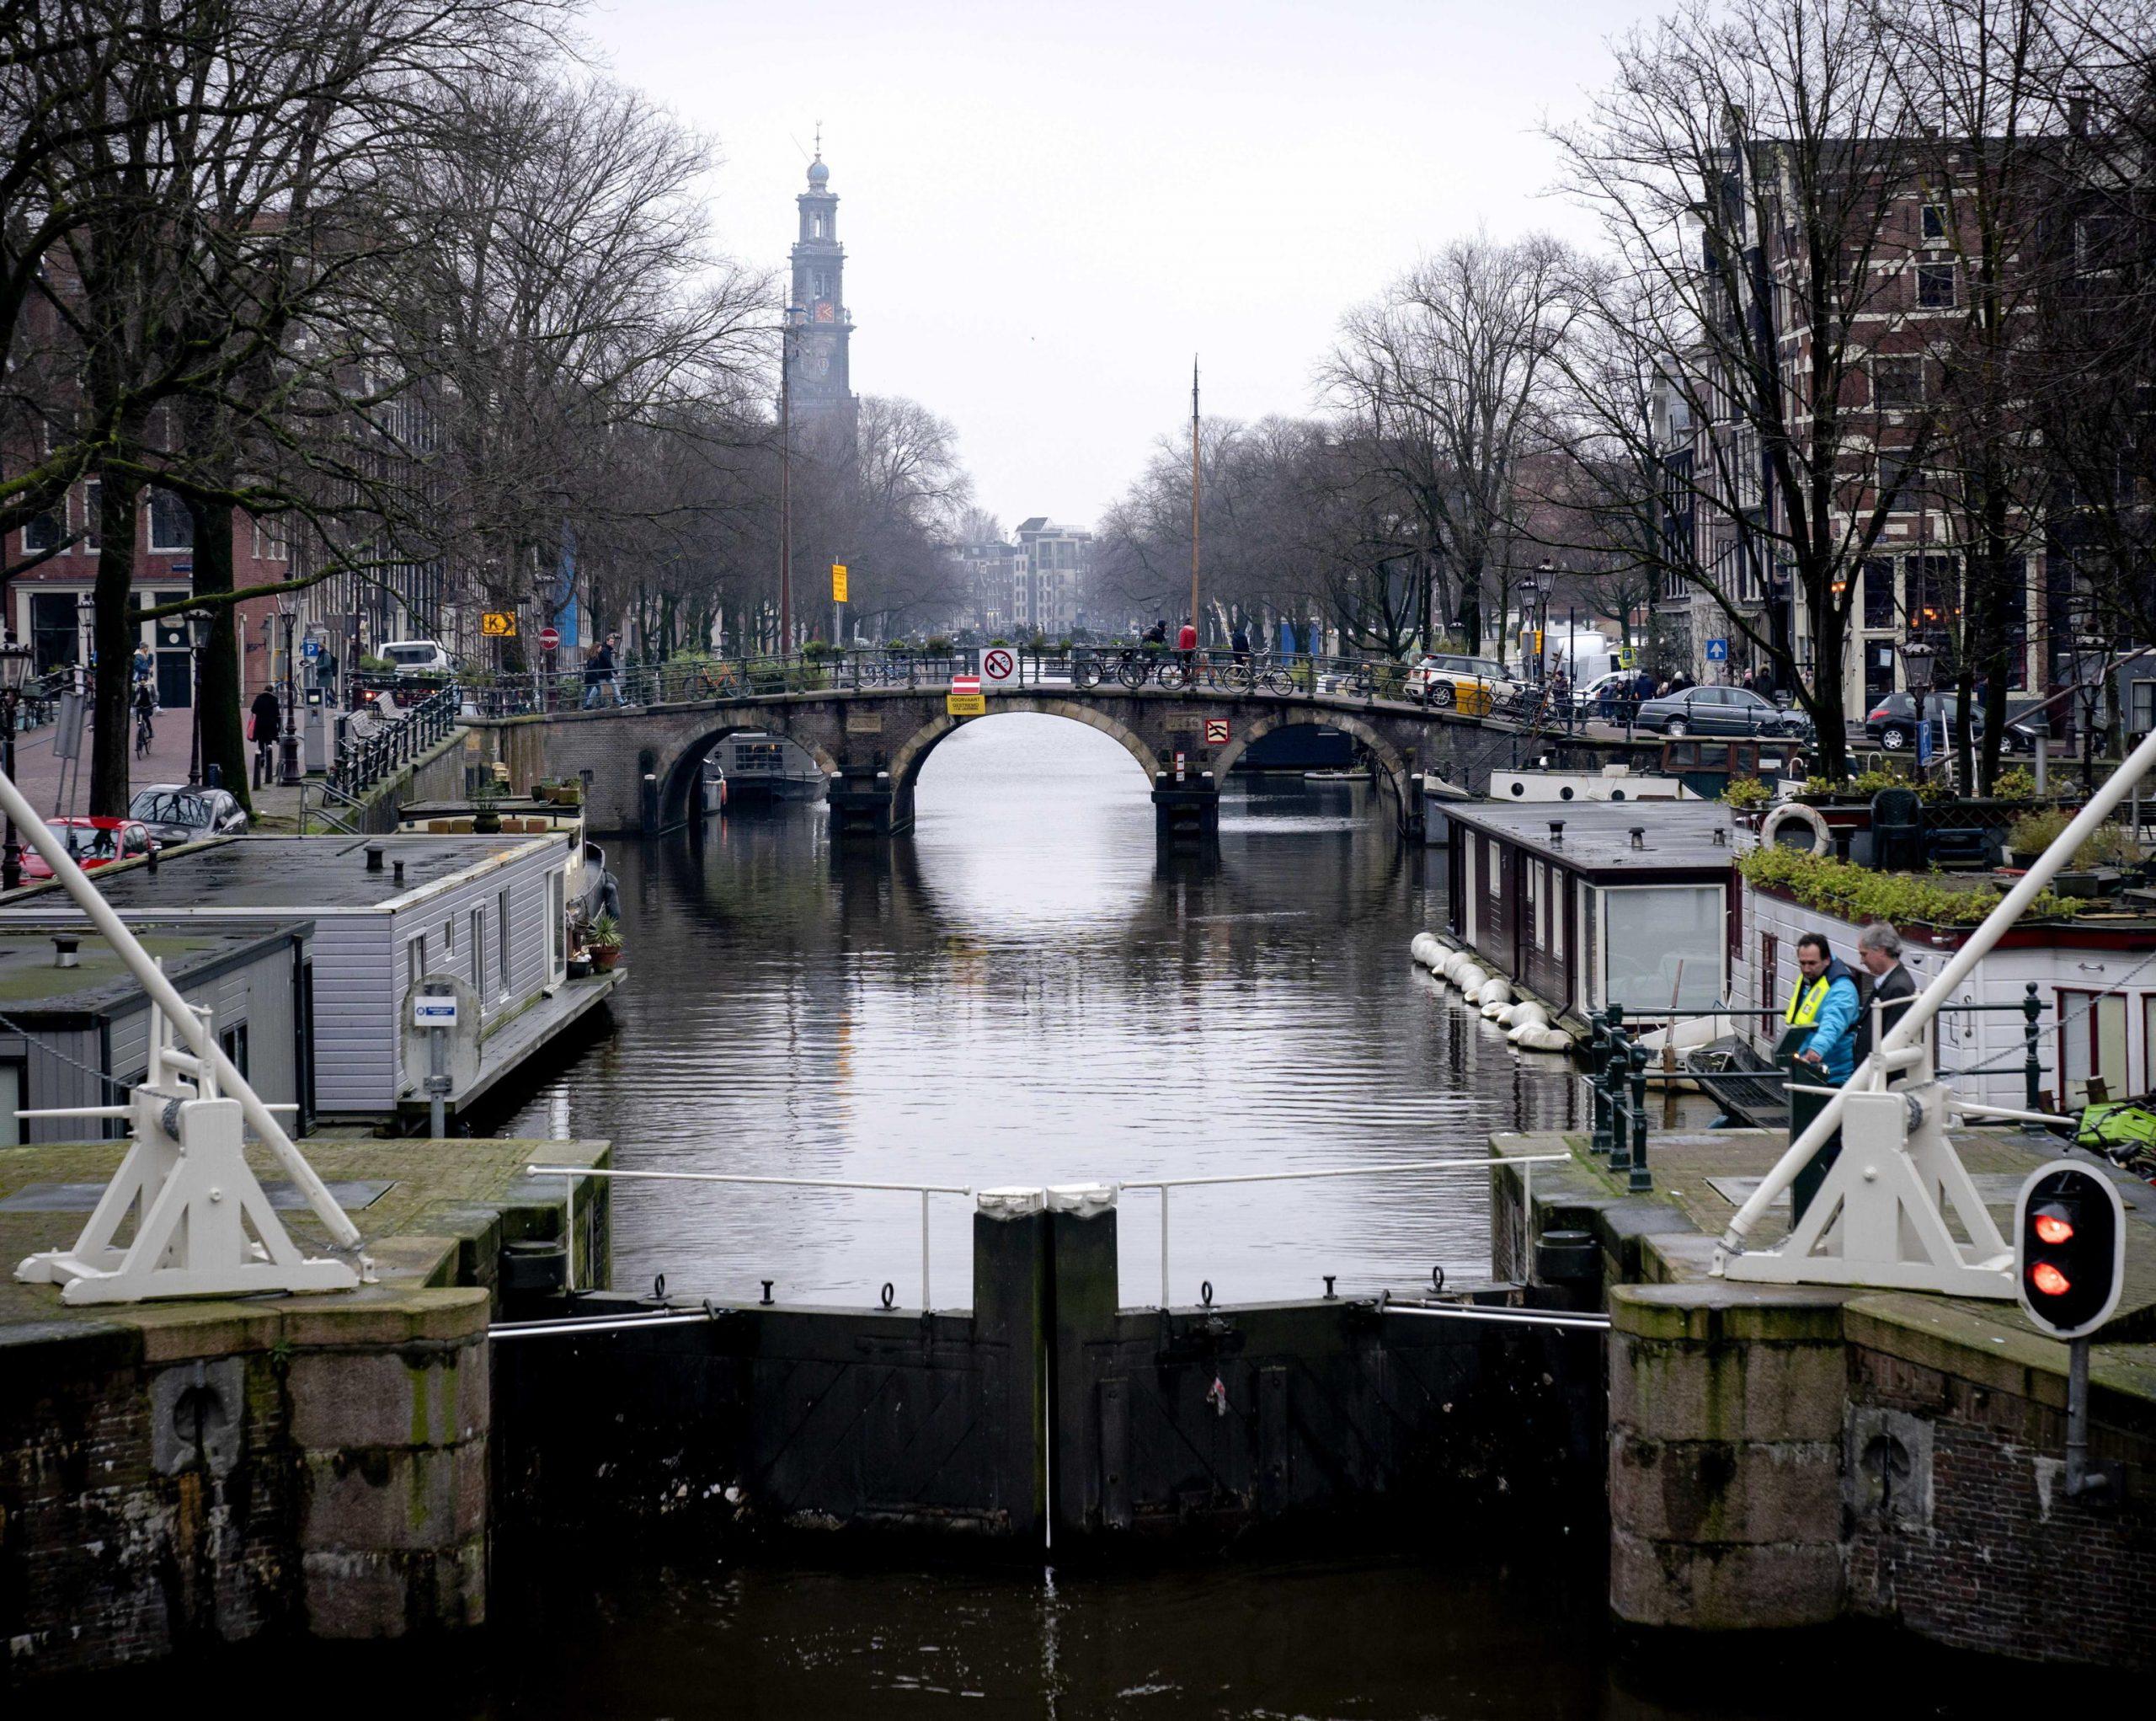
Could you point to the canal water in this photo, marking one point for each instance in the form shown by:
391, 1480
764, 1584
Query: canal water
1022, 995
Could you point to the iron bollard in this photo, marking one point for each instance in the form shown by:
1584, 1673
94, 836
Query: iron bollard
1598, 1052
2033, 1066
1620, 1129
1641, 1181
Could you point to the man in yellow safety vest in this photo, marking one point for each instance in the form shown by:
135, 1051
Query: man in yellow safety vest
1822, 1015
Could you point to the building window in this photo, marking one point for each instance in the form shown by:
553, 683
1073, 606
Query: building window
42, 532
1896, 383
172, 528
2141, 707
270, 545
1935, 221
93, 512
502, 960
1935, 286
1878, 592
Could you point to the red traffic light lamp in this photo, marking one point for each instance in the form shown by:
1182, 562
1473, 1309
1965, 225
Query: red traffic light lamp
2069, 1263
2069, 1252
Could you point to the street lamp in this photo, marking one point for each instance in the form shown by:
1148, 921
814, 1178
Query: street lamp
198, 623
288, 744
1525, 589
15, 672
1918, 660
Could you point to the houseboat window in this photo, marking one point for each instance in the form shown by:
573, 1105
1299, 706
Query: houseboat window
1770, 960
12, 1101
502, 961
415, 961
1663, 940
2092, 1044
1557, 895
1534, 875
1684, 755
233, 1039
557, 930
479, 953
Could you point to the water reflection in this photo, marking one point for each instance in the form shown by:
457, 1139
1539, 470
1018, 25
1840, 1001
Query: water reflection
1021, 993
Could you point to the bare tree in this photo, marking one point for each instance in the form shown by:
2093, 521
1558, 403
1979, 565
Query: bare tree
1441, 383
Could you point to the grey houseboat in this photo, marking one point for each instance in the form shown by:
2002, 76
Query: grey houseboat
488, 910
1588, 903
75, 1024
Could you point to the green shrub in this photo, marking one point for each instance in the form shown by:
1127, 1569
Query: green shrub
2015, 783
1858, 893
938, 645
1745, 793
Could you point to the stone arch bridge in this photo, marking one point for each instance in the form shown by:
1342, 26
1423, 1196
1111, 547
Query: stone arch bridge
642, 765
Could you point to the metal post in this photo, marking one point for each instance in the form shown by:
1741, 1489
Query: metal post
2077, 1416
11, 855
1598, 1051
1620, 1122
924, 1252
1641, 1181
1164, 1246
568, 1228
2032, 1065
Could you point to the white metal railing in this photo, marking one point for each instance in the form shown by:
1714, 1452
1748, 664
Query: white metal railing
570, 1173
1526, 1161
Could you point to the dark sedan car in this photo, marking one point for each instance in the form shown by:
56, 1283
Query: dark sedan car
1892, 722
1719, 711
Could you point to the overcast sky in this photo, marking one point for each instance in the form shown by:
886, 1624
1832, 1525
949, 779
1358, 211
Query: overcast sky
1048, 207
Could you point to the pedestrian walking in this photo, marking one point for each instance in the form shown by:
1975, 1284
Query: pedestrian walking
1819, 1042
1239, 644
264, 717
143, 663
599, 672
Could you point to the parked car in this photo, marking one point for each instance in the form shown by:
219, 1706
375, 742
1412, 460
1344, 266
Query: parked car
1892, 722
95, 843
1719, 711
1450, 680
420, 657
177, 814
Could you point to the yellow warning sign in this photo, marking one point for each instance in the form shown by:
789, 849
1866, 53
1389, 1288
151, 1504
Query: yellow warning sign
966, 705
498, 624
838, 582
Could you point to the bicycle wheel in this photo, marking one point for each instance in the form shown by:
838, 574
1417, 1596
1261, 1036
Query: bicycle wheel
1361, 682
1173, 676
1277, 680
1134, 671
1086, 676
1238, 678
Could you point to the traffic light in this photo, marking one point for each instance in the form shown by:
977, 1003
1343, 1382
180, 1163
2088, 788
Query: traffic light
2069, 1248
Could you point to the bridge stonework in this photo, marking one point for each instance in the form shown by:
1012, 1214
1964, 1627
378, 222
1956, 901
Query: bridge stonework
641, 765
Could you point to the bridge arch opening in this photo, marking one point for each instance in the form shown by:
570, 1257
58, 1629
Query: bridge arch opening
913, 754
1389, 766
681, 783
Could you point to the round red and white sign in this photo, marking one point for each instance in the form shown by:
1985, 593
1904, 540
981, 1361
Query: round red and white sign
549, 638
998, 666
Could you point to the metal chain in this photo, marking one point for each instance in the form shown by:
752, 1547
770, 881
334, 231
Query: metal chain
13, 1027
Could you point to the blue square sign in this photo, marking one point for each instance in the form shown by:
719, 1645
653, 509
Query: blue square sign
1717, 651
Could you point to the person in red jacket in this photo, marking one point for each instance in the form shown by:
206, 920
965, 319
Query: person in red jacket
1187, 646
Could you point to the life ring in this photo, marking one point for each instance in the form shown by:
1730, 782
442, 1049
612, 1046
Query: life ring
1823, 841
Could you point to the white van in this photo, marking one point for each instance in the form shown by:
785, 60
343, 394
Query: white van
418, 657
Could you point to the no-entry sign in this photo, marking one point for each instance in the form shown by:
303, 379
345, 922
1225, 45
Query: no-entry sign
549, 638
998, 666
964, 699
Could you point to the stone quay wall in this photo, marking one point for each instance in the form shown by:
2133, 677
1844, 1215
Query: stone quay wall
243, 1470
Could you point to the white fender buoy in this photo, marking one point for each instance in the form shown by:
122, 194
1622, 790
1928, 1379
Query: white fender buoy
1526, 1013
1494, 990
1427, 951
1785, 812
1452, 962
1544, 1039
1470, 979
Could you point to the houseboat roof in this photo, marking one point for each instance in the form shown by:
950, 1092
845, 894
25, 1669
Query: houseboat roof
32, 983
303, 874
1597, 838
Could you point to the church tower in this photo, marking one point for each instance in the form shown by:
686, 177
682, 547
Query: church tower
817, 359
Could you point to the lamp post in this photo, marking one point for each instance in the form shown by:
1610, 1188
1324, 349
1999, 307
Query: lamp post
1526, 590
198, 623
288, 743
1918, 659
15, 670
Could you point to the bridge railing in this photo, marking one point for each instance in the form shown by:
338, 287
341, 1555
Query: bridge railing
694, 679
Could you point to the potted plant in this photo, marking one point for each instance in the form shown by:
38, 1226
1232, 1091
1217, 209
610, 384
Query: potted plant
486, 805
605, 943
2097, 865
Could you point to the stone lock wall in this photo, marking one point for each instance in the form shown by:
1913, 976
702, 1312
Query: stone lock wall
205, 1473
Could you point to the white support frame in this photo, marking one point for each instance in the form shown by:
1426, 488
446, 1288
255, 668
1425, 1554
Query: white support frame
185, 1180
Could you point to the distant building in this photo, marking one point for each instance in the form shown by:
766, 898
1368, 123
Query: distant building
818, 363
992, 572
1055, 563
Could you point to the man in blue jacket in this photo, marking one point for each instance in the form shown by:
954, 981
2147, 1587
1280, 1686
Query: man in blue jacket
1823, 1015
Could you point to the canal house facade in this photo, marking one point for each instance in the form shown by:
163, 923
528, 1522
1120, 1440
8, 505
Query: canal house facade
1587, 903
